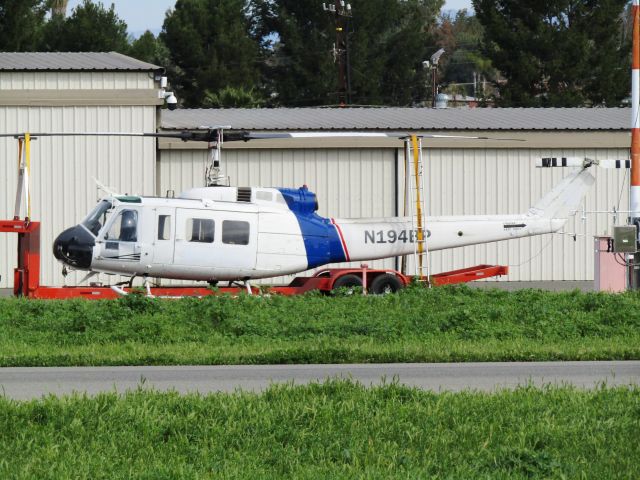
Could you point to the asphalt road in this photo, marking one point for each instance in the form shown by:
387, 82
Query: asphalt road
28, 383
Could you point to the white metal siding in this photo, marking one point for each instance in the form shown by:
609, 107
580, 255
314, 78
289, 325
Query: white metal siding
348, 182
38, 80
496, 181
63, 191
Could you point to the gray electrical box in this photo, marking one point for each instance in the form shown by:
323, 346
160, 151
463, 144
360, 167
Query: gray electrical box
624, 239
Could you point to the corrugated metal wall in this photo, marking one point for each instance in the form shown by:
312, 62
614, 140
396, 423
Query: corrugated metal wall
44, 80
494, 181
348, 182
469, 181
62, 168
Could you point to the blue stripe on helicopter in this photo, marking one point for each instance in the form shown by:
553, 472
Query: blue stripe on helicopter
321, 239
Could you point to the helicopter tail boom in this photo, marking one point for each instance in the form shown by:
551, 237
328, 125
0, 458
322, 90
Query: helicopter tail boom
368, 239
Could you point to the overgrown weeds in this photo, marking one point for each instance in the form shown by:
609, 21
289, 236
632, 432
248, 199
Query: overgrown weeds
333, 430
441, 324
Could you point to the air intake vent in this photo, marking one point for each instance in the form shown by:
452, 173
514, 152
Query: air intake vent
244, 194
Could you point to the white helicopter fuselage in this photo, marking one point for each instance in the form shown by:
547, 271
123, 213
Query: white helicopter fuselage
229, 233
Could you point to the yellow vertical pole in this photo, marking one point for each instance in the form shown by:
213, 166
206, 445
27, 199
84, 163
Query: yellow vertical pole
416, 172
405, 206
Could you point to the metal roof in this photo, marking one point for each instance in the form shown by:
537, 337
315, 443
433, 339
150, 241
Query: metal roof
402, 118
71, 61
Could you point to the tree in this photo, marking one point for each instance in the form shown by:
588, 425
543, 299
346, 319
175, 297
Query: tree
90, 28
298, 68
388, 42
461, 36
230, 97
21, 24
557, 52
150, 49
211, 46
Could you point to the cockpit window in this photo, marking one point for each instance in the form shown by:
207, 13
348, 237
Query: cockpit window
124, 228
97, 218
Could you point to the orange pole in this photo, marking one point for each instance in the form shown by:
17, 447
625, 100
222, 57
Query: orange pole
634, 197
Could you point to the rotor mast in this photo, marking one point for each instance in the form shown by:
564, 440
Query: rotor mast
214, 175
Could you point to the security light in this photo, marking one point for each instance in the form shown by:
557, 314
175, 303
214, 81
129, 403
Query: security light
436, 56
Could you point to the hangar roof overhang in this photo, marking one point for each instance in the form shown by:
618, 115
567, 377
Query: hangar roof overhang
542, 128
413, 119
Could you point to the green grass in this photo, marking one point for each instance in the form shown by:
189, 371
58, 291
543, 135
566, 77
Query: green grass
437, 325
332, 430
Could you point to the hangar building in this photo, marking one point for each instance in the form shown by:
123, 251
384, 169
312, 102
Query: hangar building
71, 92
352, 177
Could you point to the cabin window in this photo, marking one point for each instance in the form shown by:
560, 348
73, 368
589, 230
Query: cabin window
200, 230
164, 227
235, 232
124, 228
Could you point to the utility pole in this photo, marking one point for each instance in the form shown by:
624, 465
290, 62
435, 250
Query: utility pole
475, 86
59, 7
435, 59
434, 85
341, 11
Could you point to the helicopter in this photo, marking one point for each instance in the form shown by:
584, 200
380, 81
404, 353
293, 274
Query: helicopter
225, 233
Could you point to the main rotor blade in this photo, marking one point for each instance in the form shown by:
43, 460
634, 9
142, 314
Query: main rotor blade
186, 135
210, 134
262, 136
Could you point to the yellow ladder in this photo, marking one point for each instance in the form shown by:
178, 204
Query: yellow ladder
416, 201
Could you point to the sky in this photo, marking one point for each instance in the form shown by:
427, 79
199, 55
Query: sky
142, 15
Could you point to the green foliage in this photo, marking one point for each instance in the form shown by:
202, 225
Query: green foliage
557, 53
333, 430
231, 97
297, 40
21, 24
253, 53
440, 324
149, 48
388, 42
90, 28
211, 47
461, 35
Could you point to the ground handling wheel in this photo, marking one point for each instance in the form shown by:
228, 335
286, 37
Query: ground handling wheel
384, 284
348, 281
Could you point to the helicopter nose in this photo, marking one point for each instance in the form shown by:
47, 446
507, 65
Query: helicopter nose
74, 247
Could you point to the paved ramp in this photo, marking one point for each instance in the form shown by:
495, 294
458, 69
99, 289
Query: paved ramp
28, 383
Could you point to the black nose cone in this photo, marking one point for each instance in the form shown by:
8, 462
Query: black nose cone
74, 247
